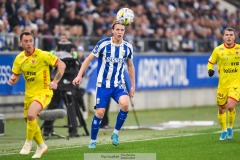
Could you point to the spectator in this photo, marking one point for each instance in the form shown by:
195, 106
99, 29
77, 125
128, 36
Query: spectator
18, 19
49, 5
53, 19
11, 8
188, 43
72, 20
155, 44
3, 38
173, 43
47, 43
94, 17
16, 32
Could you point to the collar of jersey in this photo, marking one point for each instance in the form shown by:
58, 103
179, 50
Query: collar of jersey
116, 44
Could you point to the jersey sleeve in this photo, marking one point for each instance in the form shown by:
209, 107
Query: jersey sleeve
212, 59
130, 55
50, 58
16, 69
97, 49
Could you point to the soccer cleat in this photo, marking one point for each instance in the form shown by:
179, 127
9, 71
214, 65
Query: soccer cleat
26, 149
115, 139
92, 145
40, 151
223, 136
229, 133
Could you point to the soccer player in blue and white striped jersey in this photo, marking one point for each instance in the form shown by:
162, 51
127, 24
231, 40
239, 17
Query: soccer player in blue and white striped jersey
112, 53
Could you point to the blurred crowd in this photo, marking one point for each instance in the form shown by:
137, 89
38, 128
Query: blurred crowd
159, 25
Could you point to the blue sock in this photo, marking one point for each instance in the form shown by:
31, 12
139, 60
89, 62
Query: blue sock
96, 122
121, 119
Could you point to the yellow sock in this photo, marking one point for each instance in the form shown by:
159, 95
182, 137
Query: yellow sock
223, 121
38, 136
31, 129
231, 118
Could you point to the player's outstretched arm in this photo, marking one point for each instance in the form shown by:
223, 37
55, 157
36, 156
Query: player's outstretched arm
13, 79
131, 72
84, 66
60, 71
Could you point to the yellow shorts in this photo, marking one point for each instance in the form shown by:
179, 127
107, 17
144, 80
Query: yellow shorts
42, 99
223, 93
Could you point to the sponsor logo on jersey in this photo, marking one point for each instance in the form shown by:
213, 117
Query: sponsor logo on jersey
230, 70
115, 60
234, 63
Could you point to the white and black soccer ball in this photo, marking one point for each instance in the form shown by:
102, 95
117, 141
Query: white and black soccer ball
125, 16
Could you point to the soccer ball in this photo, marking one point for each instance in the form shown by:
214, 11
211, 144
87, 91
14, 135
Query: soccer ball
125, 16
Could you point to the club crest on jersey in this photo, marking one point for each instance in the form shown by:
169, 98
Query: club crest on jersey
123, 52
237, 53
33, 61
95, 122
97, 100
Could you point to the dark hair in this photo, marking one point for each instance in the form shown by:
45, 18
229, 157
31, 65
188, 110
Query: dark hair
229, 29
25, 33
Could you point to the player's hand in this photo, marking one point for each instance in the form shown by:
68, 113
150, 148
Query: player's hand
53, 85
77, 80
131, 93
211, 72
11, 81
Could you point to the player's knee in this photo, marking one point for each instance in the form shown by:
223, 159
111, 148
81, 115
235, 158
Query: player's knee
30, 116
100, 113
124, 104
231, 107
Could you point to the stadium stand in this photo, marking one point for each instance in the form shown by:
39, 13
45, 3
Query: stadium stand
159, 26
234, 2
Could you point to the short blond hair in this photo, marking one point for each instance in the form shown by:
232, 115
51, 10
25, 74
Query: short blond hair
116, 22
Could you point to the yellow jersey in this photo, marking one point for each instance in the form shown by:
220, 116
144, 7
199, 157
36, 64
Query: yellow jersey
35, 70
228, 64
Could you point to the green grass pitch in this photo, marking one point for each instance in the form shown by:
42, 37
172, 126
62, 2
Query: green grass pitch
195, 143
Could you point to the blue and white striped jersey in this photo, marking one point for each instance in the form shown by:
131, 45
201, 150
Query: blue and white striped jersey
111, 60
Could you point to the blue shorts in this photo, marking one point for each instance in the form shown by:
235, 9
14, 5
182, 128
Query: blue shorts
103, 95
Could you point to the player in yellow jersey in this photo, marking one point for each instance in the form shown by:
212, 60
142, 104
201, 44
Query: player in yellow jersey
227, 57
34, 65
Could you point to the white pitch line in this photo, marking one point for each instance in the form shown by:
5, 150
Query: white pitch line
140, 140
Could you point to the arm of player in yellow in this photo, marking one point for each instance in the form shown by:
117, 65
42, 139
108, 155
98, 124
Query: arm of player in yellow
210, 65
60, 71
13, 79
